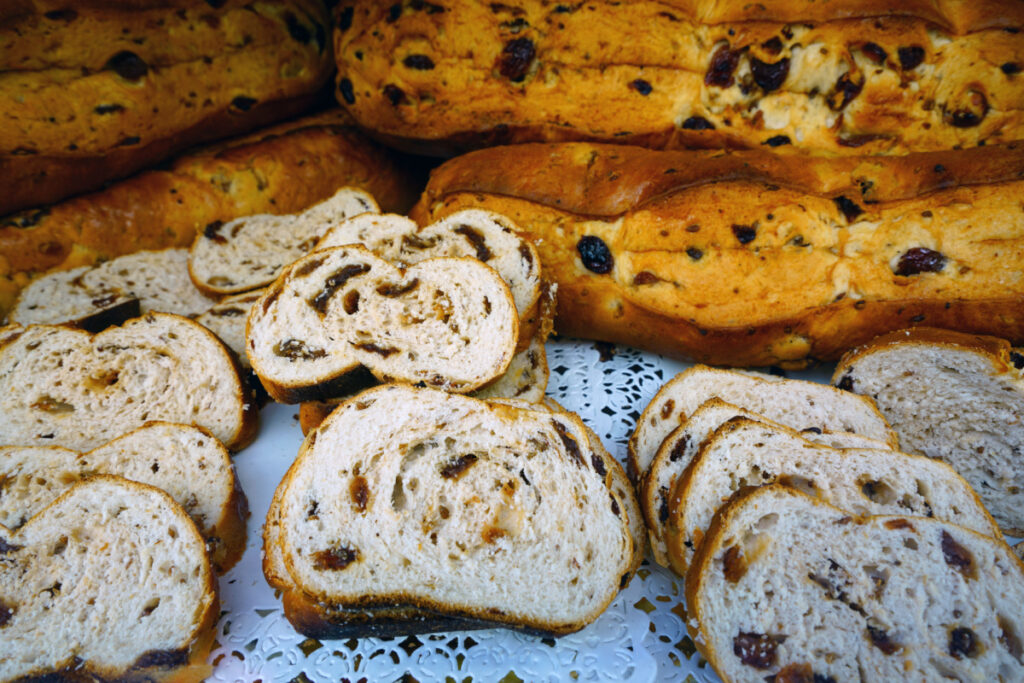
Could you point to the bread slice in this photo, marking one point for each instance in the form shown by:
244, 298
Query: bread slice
157, 279
343, 318
956, 397
249, 253
744, 453
681, 446
111, 582
484, 235
65, 387
187, 462
226, 319
1019, 549
787, 587
479, 510
794, 403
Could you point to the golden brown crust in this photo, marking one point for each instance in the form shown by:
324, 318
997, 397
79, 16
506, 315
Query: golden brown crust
998, 350
117, 89
848, 76
283, 169
748, 259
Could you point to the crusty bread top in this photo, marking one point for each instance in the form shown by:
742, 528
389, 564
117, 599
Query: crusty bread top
110, 580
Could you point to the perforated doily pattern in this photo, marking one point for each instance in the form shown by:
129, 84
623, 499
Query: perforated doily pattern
641, 637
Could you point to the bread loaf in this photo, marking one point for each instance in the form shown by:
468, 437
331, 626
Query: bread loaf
65, 387
955, 397
283, 169
92, 93
845, 76
787, 588
187, 462
749, 259
108, 582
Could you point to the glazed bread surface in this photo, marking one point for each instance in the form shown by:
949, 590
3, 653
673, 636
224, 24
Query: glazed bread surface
750, 259
791, 587
65, 387
110, 581
955, 397
846, 77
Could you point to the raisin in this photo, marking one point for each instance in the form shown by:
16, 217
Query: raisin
128, 141
1017, 360
880, 639
910, 57
755, 649
679, 449
127, 65
777, 141
345, 18
667, 408
849, 208
335, 559
595, 255
334, 282
308, 267
102, 301
6, 612
516, 58
419, 62
957, 556
1010, 68
456, 467
694, 253
874, 52
733, 564
212, 232
772, 46
483, 253
370, 347
845, 90
641, 86
395, 95
6, 547
227, 312
392, 290
570, 444
296, 30
971, 114
723, 64
769, 76
351, 302
347, 93
524, 251
359, 490
799, 673
895, 524
162, 659
745, 234
920, 260
616, 510
963, 643
598, 464
698, 123
243, 103
394, 12
645, 277
108, 108
66, 15
663, 508
293, 349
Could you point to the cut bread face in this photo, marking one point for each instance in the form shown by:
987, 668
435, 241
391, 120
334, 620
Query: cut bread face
744, 453
955, 397
250, 252
680, 447
484, 235
789, 587
342, 318
226, 319
91, 296
474, 509
66, 387
794, 403
187, 462
117, 575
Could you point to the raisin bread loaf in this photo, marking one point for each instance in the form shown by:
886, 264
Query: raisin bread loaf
95, 93
187, 462
340, 319
787, 587
283, 169
108, 582
681, 446
846, 76
955, 397
157, 279
65, 387
745, 453
474, 509
794, 403
250, 252
749, 259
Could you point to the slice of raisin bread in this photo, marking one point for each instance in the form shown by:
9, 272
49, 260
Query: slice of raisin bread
789, 588
109, 582
469, 508
60, 295
343, 318
956, 397
681, 446
158, 279
744, 453
250, 252
226, 319
187, 462
484, 235
65, 387
795, 403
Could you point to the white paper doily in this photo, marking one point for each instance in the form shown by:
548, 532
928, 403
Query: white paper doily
641, 637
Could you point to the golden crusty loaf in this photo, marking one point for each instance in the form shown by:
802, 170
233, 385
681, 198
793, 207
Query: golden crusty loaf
747, 258
92, 93
283, 169
846, 76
